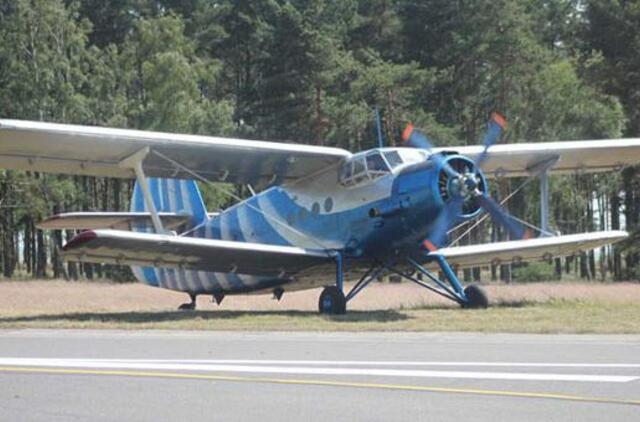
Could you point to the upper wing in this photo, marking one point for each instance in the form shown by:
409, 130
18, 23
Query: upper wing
539, 249
144, 249
515, 160
97, 151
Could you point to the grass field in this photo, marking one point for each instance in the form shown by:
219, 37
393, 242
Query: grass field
527, 308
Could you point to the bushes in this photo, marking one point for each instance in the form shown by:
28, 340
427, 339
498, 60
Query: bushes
534, 271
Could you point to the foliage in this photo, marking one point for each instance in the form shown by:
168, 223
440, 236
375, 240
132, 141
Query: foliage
313, 72
534, 271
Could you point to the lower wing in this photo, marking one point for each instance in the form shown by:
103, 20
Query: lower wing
539, 249
112, 220
155, 250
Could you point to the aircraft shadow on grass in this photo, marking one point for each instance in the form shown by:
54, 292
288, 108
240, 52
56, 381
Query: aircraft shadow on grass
143, 317
151, 317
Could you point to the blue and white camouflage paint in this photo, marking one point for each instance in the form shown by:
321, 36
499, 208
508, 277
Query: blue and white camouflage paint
317, 212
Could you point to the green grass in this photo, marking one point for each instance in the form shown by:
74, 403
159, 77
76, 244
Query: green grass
555, 316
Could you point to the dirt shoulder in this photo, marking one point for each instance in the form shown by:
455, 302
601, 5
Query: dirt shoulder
535, 307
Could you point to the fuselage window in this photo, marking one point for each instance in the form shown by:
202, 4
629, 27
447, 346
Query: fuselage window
328, 204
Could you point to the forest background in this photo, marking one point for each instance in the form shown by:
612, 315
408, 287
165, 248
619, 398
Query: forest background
314, 71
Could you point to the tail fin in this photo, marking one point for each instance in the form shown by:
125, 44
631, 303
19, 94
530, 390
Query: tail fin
174, 196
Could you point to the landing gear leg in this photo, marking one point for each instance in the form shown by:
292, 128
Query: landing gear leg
217, 298
470, 297
189, 306
332, 300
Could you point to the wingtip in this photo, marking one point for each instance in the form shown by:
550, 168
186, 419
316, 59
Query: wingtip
80, 239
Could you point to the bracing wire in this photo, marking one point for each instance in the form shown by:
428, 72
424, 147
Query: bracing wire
485, 216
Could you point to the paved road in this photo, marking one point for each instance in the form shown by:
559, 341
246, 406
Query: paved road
152, 375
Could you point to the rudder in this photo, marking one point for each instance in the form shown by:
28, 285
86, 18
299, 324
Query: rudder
180, 196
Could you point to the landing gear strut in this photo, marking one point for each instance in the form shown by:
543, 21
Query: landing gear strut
189, 306
332, 300
470, 297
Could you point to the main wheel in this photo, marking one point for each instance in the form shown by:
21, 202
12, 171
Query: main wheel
332, 301
476, 297
190, 306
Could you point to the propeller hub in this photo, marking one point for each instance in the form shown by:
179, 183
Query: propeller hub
470, 182
458, 179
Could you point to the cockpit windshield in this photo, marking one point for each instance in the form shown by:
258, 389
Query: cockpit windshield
393, 158
376, 164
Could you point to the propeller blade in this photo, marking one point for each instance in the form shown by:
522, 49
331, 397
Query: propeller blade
416, 139
516, 230
447, 217
494, 128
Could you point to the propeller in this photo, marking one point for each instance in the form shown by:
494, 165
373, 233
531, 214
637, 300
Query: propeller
416, 139
496, 125
447, 217
466, 186
501, 217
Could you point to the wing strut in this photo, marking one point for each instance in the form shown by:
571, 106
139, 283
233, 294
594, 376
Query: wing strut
134, 161
541, 169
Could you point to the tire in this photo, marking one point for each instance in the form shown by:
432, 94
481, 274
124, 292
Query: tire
332, 301
476, 297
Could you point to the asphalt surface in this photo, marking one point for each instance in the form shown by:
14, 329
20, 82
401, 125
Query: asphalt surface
153, 375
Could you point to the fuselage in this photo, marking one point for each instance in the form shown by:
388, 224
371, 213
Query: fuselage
381, 203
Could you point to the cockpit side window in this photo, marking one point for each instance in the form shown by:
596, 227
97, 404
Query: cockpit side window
359, 171
376, 166
346, 172
353, 171
393, 158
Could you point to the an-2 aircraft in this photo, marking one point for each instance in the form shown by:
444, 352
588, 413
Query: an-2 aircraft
323, 213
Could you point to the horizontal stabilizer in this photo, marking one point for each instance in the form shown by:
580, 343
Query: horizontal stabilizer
112, 220
155, 250
539, 249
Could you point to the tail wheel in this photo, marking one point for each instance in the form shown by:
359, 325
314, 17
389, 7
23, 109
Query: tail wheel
476, 297
332, 301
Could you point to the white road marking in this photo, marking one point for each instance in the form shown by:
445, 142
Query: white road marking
388, 363
301, 370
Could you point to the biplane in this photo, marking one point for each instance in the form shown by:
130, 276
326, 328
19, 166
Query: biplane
320, 215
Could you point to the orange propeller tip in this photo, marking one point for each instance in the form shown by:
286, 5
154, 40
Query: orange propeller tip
406, 133
429, 246
499, 119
